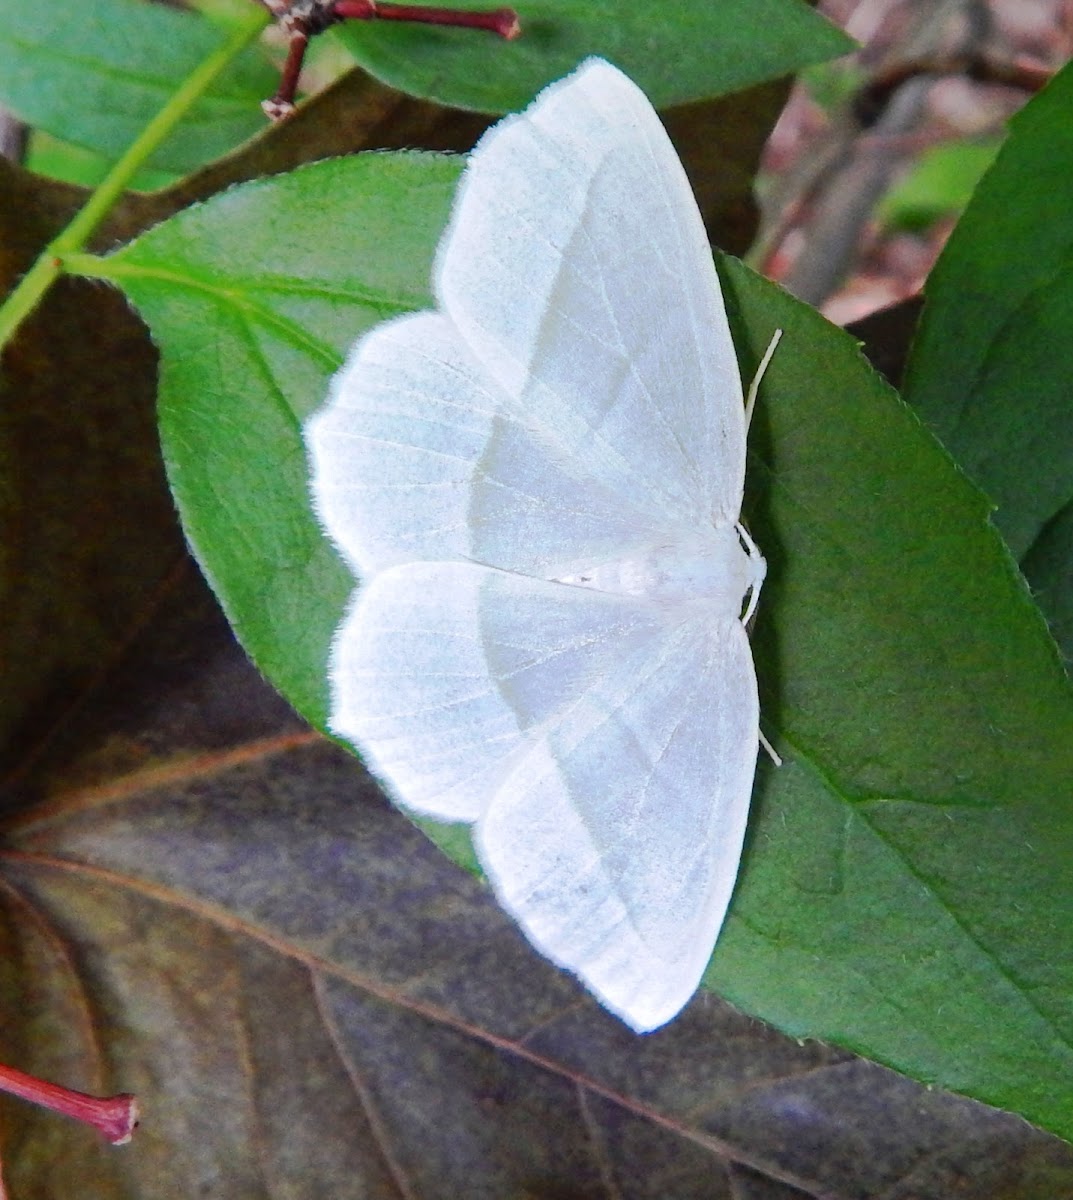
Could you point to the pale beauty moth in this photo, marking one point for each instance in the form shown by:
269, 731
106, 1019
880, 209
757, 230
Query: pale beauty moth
539, 486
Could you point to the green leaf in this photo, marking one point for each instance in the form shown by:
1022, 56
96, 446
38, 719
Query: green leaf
687, 51
941, 182
906, 889
57, 159
95, 74
991, 366
254, 298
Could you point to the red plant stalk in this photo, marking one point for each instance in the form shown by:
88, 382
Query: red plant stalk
303, 19
502, 21
114, 1116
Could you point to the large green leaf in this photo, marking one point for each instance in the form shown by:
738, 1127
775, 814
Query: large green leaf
991, 366
906, 889
94, 75
686, 51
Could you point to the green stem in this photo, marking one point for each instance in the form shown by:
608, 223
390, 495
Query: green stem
27, 295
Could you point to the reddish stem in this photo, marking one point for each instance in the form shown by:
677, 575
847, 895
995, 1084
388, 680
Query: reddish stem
114, 1116
503, 21
282, 103
318, 15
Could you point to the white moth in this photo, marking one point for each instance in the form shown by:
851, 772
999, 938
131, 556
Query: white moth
539, 486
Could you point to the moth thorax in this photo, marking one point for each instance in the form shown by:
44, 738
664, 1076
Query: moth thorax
714, 566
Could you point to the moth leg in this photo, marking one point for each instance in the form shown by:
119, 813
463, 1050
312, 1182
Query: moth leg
753, 550
772, 752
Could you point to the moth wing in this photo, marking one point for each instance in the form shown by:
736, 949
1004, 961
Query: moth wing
575, 397
446, 674
577, 269
615, 841
418, 456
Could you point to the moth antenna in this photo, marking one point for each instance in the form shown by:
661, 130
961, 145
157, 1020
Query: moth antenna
754, 387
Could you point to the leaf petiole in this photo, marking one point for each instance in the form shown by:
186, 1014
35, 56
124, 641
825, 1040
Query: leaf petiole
113, 1116
303, 19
